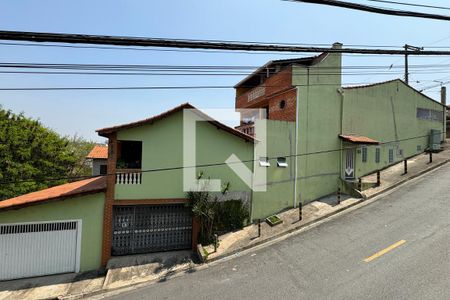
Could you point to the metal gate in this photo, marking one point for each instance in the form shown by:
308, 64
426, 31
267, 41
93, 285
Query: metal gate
151, 228
349, 163
36, 249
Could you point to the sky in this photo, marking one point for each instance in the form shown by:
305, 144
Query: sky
272, 21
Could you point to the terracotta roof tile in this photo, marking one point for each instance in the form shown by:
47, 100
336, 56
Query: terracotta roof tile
99, 152
85, 186
358, 139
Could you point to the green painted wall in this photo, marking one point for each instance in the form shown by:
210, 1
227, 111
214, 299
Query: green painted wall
319, 122
387, 113
280, 189
162, 144
88, 208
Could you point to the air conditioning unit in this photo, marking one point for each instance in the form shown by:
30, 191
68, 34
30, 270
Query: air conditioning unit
435, 140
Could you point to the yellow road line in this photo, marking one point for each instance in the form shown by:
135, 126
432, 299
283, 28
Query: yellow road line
384, 251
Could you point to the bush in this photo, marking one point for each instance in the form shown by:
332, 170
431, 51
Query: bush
215, 216
230, 215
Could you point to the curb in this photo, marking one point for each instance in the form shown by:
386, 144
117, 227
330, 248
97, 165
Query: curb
274, 237
258, 243
408, 179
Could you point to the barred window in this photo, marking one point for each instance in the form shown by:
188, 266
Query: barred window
391, 156
377, 155
364, 154
429, 114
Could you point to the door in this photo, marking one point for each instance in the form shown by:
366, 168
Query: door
37, 249
151, 228
349, 168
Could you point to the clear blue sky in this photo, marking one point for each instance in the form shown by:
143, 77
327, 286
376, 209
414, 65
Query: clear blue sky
81, 112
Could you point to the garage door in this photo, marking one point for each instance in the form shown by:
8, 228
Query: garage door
36, 249
151, 228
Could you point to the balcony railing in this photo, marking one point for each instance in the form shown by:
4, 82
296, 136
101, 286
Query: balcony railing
247, 129
129, 176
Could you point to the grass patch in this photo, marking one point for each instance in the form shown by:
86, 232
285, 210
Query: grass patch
274, 220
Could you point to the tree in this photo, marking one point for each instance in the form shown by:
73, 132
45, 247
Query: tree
80, 148
28, 150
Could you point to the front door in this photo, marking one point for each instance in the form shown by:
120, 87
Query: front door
151, 228
349, 167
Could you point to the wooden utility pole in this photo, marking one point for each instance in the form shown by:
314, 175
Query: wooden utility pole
413, 48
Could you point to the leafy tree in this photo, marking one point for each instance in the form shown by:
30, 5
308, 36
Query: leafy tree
80, 148
28, 150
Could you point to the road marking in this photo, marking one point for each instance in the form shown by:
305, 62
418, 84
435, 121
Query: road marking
384, 251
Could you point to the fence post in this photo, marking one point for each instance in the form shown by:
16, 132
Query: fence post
300, 208
378, 178
216, 242
405, 163
359, 184
339, 195
259, 227
431, 157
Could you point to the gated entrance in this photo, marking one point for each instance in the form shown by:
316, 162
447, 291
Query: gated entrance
349, 163
151, 228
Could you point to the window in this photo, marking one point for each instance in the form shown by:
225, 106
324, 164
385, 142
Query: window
264, 162
391, 156
419, 148
281, 162
103, 169
429, 114
282, 104
377, 155
129, 154
400, 152
364, 154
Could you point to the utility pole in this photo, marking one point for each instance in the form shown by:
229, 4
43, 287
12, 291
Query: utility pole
413, 48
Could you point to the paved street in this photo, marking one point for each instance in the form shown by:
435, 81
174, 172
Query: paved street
394, 248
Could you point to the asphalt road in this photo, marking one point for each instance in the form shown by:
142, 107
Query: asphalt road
394, 248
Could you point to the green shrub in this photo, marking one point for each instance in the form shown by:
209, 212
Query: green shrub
230, 215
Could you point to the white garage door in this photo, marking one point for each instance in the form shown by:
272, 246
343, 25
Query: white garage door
36, 249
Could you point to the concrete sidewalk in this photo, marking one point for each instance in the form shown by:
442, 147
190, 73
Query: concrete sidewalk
140, 269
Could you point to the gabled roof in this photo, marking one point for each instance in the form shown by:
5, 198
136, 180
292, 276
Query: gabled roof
273, 64
358, 139
77, 188
98, 152
387, 82
106, 131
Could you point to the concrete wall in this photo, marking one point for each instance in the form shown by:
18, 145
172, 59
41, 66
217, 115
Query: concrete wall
96, 163
280, 181
88, 208
319, 122
388, 113
162, 147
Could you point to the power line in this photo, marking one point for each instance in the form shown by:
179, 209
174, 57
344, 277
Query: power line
375, 9
190, 67
202, 165
193, 44
410, 4
146, 87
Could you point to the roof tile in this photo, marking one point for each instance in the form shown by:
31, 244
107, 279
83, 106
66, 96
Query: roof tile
85, 186
98, 152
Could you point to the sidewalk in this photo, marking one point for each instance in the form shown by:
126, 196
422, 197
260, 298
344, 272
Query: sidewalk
417, 166
143, 269
234, 242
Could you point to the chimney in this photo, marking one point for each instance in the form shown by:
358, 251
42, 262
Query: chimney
337, 45
444, 95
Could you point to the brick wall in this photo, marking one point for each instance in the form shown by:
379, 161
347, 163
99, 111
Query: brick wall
279, 82
288, 112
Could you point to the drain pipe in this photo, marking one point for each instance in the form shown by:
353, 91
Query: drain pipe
296, 149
